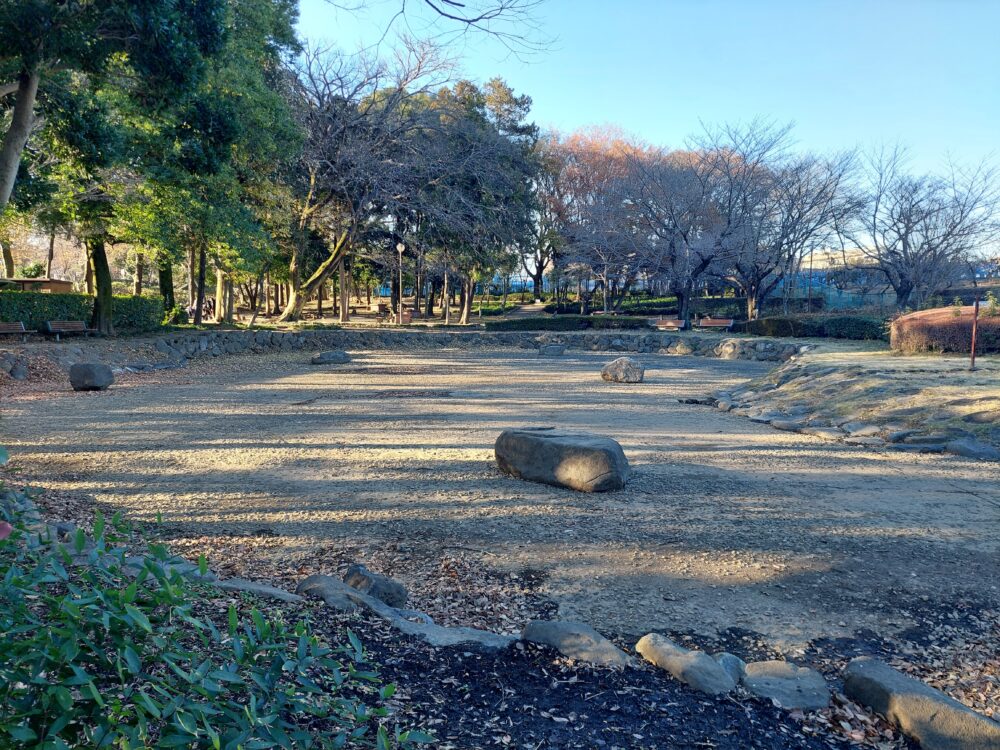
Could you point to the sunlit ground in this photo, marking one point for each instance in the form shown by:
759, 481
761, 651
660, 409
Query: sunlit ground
725, 522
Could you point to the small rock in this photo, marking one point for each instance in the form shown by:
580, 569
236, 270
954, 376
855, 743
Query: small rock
860, 429
864, 440
694, 668
735, 667
551, 350
787, 425
330, 358
623, 370
382, 587
577, 641
90, 376
933, 719
787, 684
971, 448
827, 433
335, 594
19, 370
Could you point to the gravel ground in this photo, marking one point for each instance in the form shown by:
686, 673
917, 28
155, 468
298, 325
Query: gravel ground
730, 532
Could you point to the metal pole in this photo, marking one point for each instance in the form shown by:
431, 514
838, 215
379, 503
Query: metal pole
975, 330
399, 302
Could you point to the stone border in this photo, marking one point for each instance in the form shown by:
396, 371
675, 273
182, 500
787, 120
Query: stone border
180, 348
752, 401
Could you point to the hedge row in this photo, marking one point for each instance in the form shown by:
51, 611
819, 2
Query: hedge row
567, 323
858, 327
941, 330
129, 314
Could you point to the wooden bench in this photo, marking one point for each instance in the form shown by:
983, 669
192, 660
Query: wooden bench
59, 328
15, 329
723, 324
667, 324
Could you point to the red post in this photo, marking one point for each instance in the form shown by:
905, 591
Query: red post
975, 327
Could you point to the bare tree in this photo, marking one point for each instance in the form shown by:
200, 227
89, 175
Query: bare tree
921, 232
772, 207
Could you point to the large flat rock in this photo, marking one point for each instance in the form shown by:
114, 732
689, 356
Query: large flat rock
577, 460
933, 719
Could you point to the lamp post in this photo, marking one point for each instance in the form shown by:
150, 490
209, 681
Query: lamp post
400, 247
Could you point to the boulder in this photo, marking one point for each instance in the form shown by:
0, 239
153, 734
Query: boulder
577, 641
694, 668
335, 594
623, 370
330, 358
579, 461
787, 684
382, 587
934, 720
90, 376
551, 350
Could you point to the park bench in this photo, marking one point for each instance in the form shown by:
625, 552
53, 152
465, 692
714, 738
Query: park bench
15, 329
722, 324
59, 328
667, 324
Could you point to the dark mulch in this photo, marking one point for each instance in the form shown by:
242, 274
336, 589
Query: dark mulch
528, 697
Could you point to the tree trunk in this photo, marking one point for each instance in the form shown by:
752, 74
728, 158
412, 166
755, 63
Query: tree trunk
16, 138
140, 267
50, 255
297, 297
230, 288
684, 307
445, 301
8, 259
538, 279
429, 301
903, 293
103, 298
88, 271
345, 294
220, 295
466, 301
199, 296
166, 279
192, 277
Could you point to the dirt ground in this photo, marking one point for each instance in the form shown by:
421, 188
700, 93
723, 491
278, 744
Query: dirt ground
725, 524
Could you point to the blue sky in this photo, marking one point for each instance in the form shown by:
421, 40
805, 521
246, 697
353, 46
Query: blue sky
925, 73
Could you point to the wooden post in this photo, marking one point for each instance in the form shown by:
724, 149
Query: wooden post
975, 330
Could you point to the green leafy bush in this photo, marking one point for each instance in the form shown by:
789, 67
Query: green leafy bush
137, 314
92, 656
129, 314
33, 270
857, 327
568, 323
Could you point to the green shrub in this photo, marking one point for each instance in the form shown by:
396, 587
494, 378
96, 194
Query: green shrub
941, 330
567, 323
857, 327
129, 314
93, 657
137, 314
34, 308
494, 309
33, 270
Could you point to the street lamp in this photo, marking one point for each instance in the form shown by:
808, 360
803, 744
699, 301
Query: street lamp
400, 247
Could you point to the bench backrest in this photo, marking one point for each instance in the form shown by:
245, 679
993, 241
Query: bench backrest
668, 323
66, 325
715, 323
17, 327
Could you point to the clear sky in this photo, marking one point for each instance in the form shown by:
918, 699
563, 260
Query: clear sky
925, 73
